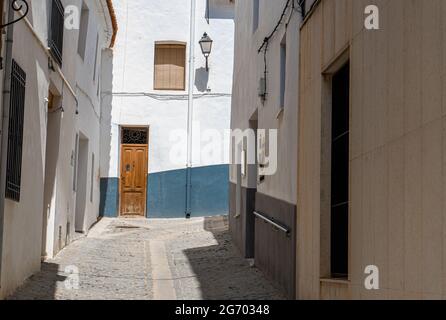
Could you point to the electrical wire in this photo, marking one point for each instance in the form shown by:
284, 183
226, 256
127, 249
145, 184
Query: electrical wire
265, 45
313, 5
291, 15
168, 97
276, 28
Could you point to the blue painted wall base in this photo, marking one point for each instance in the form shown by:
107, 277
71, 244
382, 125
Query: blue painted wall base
109, 204
166, 193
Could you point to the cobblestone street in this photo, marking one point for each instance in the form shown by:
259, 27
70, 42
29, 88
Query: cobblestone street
150, 259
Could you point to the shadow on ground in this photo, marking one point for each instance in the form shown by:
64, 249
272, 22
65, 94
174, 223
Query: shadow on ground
114, 263
221, 271
41, 286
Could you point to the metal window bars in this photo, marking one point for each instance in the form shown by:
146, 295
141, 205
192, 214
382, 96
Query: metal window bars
15, 133
57, 30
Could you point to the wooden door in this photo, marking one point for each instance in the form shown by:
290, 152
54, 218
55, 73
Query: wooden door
133, 179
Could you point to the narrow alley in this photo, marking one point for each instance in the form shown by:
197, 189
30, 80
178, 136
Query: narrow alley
222, 150
150, 259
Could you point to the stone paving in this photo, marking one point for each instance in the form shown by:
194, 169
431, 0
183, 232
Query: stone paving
190, 259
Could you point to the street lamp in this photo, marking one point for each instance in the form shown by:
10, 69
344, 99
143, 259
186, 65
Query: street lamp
206, 47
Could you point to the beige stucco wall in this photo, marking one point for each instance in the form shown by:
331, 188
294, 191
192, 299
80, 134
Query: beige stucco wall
397, 150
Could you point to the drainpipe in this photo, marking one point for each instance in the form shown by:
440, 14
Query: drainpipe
190, 110
4, 123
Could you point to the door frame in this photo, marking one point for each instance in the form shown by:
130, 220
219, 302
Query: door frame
121, 128
81, 178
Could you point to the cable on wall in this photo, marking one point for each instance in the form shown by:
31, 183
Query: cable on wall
288, 10
167, 97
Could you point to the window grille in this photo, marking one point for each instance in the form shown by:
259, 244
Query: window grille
15, 133
134, 136
56, 32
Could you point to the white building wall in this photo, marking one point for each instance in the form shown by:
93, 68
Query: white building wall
88, 88
62, 215
52, 213
106, 117
136, 103
22, 228
142, 24
276, 195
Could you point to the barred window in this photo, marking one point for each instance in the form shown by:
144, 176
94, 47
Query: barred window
15, 133
56, 32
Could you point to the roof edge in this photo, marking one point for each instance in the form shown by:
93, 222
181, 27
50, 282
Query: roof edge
114, 20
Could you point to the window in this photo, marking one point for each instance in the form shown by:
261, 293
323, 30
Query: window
75, 160
261, 152
92, 178
98, 89
340, 172
256, 13
238, 190
170, 66
56, 32
96, 57
83, 31
15, 133
134, 136
282, 71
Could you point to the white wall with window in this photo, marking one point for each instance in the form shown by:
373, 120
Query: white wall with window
92, 41
23, 217
151, 79
40, 222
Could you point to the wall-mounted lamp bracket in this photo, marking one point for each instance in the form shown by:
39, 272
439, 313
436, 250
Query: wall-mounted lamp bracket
17, 6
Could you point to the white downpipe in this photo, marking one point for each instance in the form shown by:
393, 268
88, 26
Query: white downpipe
190, 107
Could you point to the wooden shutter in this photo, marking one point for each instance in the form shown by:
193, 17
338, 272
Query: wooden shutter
57, 30
170, 66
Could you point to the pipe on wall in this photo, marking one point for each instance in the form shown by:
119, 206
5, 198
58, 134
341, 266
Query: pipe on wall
190, 109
